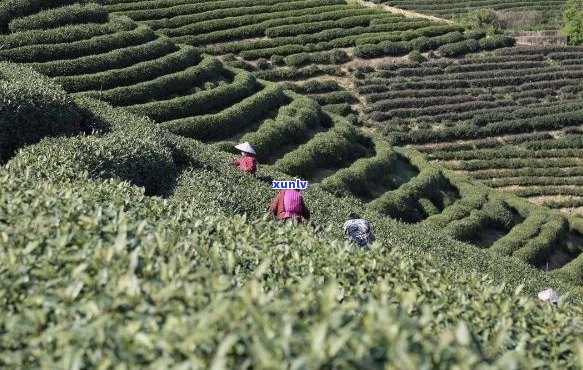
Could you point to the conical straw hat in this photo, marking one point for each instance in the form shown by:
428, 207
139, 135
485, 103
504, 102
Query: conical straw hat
245, 147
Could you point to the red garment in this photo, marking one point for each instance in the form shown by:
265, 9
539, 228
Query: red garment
247, 163
297, 211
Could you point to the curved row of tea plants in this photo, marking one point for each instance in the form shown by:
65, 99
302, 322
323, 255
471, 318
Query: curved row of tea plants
114, 276
524, 118
459, 8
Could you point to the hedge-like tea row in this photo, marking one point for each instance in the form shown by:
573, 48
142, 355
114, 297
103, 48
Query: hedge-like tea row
124, 5
76, 49
161, 87
426, 39
293, 125
332, 149
334, 97
118, 58
521, 234
283, 74
313, 27
32, 107
325, 40
459, 48
494, 213
202, 102
538, 249
67, 33
358, 179
460, 9
62, 16
144, 71
511, 152
478, 165
11, 9
411, 29
532, 180
501, 173
326, 57
553, 121
280, 15
547, 190
472, 199
186, 9
566, 202
403, 203
316, 86
496, 42
231, 120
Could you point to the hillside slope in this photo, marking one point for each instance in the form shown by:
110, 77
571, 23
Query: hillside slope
518, 132
97, 274
291, 133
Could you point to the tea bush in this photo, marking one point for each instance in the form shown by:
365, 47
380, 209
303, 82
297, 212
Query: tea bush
159, 88
244, 84
339, 146
232, 119
69, 33
110, 60
103, 258
135, 73
62, 16
291, 126
76, 49
32, 107
11, 9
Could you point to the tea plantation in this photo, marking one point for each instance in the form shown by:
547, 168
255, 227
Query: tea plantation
279, 40
127, 242
518, 132
459, 8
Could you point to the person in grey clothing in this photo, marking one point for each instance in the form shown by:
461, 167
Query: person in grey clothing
358, 230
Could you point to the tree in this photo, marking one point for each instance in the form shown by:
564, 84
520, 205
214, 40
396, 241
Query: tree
486, 20
573, 17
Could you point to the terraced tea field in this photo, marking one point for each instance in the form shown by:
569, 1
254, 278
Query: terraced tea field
197, 97
454, 9
128, 221
294, 41
510, 118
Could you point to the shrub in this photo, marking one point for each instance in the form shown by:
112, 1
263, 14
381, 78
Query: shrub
230, 120
497, 41
118, 58
67, 33
136, 151
58, 17
416, 57
135, 73
32, 107
573, 19
76, 49
291, 126
277, 60
161, 87
329, 57
11, 9
202, 102
263, 64
334, 148
459, 48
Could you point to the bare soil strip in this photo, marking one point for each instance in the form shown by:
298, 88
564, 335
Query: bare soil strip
404, 12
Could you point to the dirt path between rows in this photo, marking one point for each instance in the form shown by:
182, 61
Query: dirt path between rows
404, 12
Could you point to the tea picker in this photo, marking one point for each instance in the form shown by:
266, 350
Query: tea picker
247, 161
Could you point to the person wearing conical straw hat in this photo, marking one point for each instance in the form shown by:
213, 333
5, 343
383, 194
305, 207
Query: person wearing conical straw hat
247, 161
